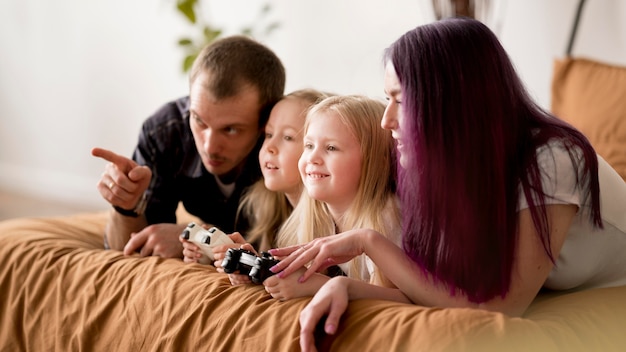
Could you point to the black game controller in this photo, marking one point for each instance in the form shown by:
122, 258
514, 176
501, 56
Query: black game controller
248, 263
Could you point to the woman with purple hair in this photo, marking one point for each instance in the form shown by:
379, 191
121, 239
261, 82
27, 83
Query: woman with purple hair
499, 197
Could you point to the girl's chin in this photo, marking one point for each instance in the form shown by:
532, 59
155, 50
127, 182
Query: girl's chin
277, 184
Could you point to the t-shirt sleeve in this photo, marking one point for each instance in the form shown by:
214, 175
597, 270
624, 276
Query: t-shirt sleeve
558, 177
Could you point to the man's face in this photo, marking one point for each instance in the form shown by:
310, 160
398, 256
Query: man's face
225, 130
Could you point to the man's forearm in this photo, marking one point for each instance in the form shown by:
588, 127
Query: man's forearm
119, 228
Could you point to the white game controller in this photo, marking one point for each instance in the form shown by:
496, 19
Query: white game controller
205, 240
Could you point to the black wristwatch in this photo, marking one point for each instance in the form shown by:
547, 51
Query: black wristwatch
136, 211
126, 212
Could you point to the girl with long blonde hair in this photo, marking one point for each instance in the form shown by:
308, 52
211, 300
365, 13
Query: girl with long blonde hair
348, 170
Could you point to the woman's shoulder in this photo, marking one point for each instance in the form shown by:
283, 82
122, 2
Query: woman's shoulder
560, 162
559, 174
557, 151
612, 195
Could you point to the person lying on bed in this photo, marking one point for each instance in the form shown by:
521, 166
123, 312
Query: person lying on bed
269, 201
499, 198
200, 150
348, 170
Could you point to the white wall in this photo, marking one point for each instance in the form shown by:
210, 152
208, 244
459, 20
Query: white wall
75, 74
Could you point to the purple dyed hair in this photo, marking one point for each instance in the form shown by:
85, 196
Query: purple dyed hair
471, 134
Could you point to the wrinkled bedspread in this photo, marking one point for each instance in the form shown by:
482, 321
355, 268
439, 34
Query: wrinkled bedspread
60, 291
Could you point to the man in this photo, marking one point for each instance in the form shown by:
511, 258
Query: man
200, 150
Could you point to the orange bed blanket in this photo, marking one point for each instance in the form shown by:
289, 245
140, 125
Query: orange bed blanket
59, 290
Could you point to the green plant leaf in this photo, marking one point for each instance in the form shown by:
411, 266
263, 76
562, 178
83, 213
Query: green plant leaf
191, 47
188, 62
185, 42
272, 27
186, 7
247, 31
210, 34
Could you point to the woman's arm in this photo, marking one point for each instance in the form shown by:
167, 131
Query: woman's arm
530, 268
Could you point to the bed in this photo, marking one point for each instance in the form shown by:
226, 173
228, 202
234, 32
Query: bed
60, 291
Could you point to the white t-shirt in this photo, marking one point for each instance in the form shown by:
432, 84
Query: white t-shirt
366, 265
589, 258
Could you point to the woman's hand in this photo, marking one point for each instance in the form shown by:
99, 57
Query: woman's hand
321, 253
331, 300
290, 288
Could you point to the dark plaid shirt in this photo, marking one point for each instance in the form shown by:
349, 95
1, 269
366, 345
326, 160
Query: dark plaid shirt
166, 145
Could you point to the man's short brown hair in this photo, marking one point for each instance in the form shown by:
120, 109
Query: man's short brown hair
236, 61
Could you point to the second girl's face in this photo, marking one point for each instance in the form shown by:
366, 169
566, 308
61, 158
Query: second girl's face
392, 119
282, 146
330, 164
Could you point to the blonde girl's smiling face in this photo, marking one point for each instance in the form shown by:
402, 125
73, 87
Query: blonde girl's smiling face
282, 147
330, 165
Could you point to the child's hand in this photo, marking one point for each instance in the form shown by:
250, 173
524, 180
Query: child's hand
219, 252
191, 252
288, 288
238, 279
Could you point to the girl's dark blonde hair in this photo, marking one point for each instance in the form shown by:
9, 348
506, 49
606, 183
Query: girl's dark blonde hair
268, 209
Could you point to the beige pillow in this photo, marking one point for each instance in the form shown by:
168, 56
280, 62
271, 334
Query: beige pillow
592, 96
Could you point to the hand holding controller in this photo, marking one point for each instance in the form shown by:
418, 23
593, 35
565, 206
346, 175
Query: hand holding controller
248, 263
205, 239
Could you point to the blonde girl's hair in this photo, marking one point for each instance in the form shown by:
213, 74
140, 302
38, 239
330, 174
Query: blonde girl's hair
266, 209
375, 205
